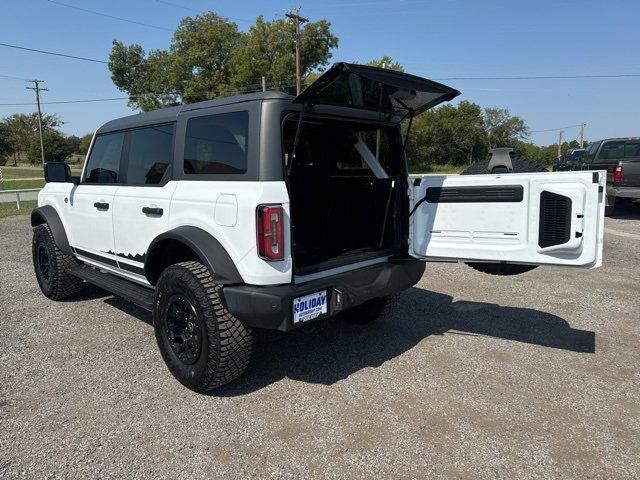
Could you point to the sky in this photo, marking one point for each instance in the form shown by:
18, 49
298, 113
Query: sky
434, 39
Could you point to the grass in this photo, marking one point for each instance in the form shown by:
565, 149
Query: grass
12, 173
439, 168
16, 173
9, 209
20, 184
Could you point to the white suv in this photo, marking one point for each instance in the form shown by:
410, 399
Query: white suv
268, 211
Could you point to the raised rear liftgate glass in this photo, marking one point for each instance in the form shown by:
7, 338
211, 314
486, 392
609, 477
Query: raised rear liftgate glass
359, 86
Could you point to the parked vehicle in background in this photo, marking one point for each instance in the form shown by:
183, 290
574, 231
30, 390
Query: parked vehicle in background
572, 160
620, 157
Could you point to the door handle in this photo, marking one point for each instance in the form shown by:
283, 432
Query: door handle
152, 211
101, 206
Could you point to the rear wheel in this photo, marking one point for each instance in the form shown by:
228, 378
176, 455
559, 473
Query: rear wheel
370, 310
203, 345
610, 205
520, 165
51, 266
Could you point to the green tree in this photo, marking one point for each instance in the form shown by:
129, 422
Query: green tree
22, 130
447, 134
210, 57
503, 129
56, 147
74, 143
268, 50
6, 148
386, 62
85, 143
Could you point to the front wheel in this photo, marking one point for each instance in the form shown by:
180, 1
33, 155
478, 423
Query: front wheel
51, 266
203, 345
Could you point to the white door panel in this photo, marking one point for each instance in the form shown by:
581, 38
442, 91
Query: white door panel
89, 218
135, 229
533, 218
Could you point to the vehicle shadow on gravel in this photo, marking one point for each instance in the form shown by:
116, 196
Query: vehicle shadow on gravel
335, 349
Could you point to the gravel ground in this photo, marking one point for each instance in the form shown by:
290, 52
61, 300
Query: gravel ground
472, 376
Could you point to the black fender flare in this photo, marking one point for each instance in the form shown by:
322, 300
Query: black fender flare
47, 214
211, 253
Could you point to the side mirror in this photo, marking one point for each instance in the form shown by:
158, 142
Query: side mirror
57, 172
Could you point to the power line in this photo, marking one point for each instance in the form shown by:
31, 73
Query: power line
10, 77
46, 52
113, 17
555, 129
250, 88
543, 77
195, 10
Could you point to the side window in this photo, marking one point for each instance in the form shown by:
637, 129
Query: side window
612, 151
632, 149
591, 151
104, 161
216, 144
150, 153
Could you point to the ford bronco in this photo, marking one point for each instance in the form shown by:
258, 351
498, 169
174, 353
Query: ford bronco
269, 211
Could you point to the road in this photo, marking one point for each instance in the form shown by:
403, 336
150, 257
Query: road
472, 376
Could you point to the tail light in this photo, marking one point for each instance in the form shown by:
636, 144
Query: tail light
617, 174
270, 230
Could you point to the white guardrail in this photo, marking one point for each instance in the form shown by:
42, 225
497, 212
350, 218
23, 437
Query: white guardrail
18, 196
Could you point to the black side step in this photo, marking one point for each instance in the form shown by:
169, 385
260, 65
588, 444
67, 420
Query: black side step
132, 292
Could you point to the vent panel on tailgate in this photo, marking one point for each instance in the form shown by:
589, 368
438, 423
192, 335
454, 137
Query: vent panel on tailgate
555, 219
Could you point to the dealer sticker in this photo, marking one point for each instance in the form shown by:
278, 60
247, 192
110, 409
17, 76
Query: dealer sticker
309, 307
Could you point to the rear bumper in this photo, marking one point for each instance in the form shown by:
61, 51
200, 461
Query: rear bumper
271, 306
624, 192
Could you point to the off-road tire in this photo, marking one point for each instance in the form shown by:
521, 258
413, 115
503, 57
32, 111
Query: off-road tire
57, 283
520, 165
610, 206
370, 310
225, 344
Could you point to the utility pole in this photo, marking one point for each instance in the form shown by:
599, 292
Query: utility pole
297, 20
37, 88
264, 84
560, 144
582, 135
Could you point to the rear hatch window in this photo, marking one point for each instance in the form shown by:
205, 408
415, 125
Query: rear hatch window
359, 86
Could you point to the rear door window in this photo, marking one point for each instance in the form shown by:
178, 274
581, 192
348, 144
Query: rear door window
150, 154
611, 151
632, 149
217, 144
104, 161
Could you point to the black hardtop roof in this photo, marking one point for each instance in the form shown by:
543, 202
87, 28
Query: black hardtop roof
165, 115
616, 139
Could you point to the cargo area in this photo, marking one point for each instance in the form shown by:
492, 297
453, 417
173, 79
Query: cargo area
345, 206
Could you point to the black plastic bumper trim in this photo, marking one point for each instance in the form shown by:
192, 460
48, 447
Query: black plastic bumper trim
271, 306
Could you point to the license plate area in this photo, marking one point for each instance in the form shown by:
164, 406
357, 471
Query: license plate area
310, 307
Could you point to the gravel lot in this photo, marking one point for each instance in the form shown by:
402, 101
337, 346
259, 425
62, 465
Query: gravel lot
535, 376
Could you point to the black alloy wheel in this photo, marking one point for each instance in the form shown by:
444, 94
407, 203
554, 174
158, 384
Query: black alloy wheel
183, 330
43, 264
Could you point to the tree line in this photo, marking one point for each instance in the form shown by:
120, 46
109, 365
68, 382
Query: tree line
210, 57
20, 141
